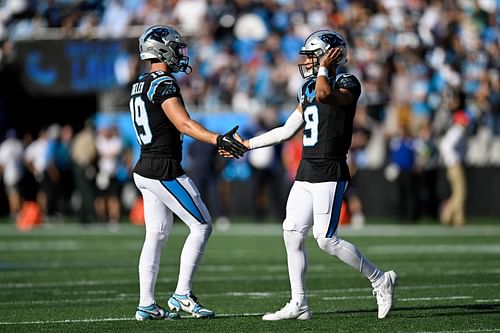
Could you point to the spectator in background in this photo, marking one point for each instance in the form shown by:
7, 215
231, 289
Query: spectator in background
35, 159
361, 133
402, 155
493, 96
427, 159
453, 147
291, 156
11, 155
109, 147
84, 156
115, 20
405, 52
59, 178
266, 168
204, 170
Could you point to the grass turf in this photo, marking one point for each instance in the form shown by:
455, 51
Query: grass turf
65, 278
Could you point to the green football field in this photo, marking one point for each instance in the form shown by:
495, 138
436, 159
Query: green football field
65, 278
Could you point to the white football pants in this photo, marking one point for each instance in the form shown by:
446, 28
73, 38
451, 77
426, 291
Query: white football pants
162, 199
318, 205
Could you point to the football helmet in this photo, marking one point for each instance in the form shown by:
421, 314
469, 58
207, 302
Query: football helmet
165, 43
316, 46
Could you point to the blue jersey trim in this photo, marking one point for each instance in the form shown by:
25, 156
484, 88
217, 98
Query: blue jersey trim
154, 85
337, 205
184, 198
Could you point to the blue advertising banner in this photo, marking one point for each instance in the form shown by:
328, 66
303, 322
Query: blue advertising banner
55, 67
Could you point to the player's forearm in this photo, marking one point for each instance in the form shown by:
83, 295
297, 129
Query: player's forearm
279, 134
323, 89
194, 129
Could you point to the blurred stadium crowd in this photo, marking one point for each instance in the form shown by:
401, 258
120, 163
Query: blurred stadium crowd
419, 61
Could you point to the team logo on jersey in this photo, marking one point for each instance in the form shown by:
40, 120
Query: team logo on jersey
310, 93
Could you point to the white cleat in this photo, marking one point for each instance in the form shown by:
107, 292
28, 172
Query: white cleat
290, 311
385, 294
189, 303
154, 312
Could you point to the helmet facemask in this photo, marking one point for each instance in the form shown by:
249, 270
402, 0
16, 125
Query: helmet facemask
176, 57
311, 65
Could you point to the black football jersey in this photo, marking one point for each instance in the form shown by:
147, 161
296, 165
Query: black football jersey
327, 132
161, 142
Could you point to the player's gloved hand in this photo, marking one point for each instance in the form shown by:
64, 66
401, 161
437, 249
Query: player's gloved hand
228, 143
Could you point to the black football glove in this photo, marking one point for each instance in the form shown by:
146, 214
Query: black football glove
228, 143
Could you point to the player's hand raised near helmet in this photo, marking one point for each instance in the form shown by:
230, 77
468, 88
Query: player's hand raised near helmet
230, 144
332, 57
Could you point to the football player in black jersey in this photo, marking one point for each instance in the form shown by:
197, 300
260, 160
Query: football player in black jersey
325, 111
160, 120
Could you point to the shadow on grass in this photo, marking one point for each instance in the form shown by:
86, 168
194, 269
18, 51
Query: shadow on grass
448, 310
423, 311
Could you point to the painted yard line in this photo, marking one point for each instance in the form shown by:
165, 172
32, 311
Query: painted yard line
434, 248
339, 271
134, 297
86, 283
67, 321
51, 245
452, 272
412, 299
461, 331
224, 315
251, 229
78, 321
313, 271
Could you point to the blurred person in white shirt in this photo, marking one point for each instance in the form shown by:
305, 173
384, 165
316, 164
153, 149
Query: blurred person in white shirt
35, 160
11, 154
109, 147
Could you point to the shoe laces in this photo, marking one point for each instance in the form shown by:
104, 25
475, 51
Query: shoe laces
286, 308
196, 304
380, 293
194, 298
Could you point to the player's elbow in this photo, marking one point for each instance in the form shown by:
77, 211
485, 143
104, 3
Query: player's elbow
322, 96
184, 127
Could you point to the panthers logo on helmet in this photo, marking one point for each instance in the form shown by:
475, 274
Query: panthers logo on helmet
157, 35
332, 40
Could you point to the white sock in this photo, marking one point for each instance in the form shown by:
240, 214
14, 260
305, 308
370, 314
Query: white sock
149, 264
349, 254
297, 264
192, 252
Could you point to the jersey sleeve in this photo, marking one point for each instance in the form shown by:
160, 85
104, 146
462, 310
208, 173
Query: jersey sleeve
349, 82
163, 88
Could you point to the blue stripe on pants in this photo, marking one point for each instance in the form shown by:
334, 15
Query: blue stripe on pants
184, 198
337, 205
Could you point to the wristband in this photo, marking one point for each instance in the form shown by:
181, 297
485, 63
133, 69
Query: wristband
323, 71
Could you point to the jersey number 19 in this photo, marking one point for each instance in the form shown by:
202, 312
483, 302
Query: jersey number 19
141, 121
